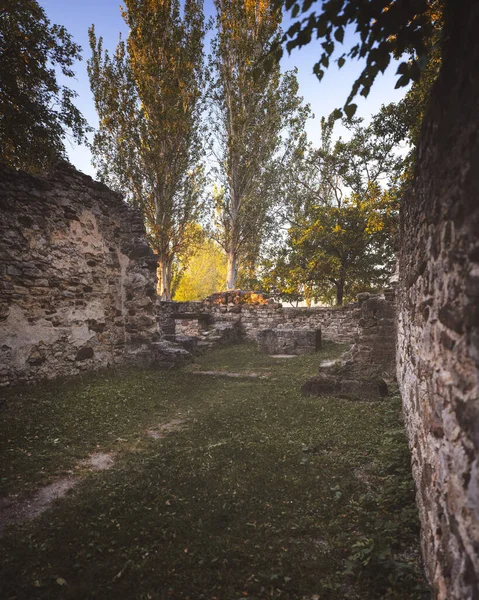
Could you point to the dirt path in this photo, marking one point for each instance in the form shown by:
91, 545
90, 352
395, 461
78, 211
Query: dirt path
15, 511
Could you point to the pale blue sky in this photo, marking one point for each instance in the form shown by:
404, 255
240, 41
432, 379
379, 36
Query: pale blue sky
78, 15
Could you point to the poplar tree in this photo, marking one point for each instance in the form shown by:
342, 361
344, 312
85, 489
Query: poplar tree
256, 115
148, 98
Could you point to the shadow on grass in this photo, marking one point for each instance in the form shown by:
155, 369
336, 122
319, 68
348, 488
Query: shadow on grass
261, 493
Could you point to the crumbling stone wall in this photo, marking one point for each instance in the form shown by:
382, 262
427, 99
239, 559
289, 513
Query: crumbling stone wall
438, 321
77, 278
336, 324
362, 372
374, 352
290, 341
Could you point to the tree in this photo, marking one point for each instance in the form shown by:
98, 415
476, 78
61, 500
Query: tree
148, 98
35, 110
386, 29
255, 114
341, 201
285, 278
204, 274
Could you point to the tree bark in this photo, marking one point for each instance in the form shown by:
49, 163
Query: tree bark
232, 269
163, 272
339, 292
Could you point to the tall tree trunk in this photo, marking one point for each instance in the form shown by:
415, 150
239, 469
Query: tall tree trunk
307, 296
340, 292
163, 272
231, 269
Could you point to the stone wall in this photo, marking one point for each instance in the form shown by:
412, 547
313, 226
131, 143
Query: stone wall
77, 278
438, 321
362, 371
336, 324
374, 352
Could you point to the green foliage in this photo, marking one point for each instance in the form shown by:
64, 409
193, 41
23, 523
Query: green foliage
386, 29
204, 274
35, 110
416, 101
148, 98
256, 119
341, 202
375, 556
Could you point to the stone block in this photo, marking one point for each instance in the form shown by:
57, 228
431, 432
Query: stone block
289, 341
352, 389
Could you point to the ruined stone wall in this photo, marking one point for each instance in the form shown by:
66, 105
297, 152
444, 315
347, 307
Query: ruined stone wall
77, 279
438, 321
336, 324
374, 352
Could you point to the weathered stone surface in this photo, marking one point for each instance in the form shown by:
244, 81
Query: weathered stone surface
360, 371
76, 277
190, 323
353, 389
181, 321
289, 341
336, 324
237, 297
438, 362
374, 351
188, 342
164, 354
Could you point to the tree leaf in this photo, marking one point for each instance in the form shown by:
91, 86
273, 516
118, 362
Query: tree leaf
350, 110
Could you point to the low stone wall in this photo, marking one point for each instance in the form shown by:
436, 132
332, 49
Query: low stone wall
77, 278
336, 324
362, 372
171, 314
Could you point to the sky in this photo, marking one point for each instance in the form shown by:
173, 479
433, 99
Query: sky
78, 15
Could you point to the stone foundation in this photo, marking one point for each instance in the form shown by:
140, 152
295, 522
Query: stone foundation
342, 387
374, 352
361, 372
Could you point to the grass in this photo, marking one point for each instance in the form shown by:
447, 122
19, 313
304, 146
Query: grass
261, 494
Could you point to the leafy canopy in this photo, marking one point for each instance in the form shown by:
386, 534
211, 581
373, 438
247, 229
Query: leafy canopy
35, 110
386, 28
341, 204
204, 274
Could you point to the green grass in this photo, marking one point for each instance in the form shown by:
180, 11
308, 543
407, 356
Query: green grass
262, 494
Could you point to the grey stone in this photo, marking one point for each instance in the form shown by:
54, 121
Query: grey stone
71, 293
353, 389
437, 367
289, 341
84, 353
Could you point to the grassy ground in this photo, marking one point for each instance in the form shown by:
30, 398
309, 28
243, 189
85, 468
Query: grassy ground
260, 494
